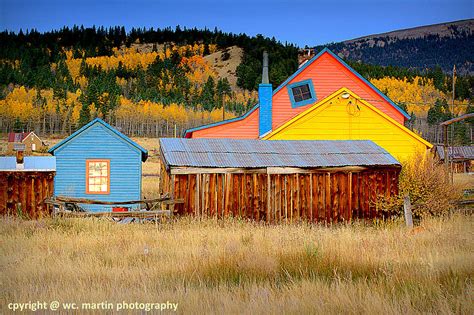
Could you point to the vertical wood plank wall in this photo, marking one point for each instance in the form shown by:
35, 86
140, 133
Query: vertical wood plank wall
313, 196
26, 190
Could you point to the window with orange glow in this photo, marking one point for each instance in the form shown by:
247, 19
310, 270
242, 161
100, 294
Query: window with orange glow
97, 176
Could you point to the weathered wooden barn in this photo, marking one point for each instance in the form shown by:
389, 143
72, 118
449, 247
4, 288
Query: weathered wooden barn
343, 105
462, 157
25, 183
277, 181
100, 163
32, 142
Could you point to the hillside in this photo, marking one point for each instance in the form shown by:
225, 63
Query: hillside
225, 62
422, 47
159, 82
449, 29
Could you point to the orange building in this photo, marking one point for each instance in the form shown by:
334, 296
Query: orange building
321, 76
343, 106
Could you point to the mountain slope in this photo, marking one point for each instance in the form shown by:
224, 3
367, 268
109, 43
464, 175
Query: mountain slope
422, 47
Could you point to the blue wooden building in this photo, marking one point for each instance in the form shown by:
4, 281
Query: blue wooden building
98, 162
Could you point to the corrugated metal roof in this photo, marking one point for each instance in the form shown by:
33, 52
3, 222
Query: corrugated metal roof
31, 163
458, 153
273, 153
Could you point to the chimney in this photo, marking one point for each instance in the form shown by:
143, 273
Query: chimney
19, 160
19, 148
265, 100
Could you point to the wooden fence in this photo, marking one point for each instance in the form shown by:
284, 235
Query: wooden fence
329, 195
23, 193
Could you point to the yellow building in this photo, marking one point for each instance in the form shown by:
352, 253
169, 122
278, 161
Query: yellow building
343, 115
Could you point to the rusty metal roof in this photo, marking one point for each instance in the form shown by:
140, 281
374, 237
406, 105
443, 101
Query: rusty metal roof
273, 153
457, 153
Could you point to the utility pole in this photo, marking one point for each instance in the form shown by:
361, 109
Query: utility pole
446, 152
454, 85
223, 108
452, 125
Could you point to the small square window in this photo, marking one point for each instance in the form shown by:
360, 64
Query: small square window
301, 93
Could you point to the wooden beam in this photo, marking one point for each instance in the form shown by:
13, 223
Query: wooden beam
129, 214
215, 170
297, 170
457, 119
165, 199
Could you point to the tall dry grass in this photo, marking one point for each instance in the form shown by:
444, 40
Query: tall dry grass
241, 267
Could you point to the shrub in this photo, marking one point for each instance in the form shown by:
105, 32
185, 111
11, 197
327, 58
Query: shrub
424, 180
43, 149
225, 55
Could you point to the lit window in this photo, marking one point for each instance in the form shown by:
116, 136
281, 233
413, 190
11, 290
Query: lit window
98, 176
301, 93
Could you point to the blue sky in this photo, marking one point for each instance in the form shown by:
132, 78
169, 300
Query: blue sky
301, 22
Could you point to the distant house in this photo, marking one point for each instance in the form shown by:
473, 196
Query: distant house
31, 141
98, 162
325, 99
461, 156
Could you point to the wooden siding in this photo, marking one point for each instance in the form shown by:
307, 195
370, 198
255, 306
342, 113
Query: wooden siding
246, 128
25, 190
328, 75
98, 142
335, 119
310, 195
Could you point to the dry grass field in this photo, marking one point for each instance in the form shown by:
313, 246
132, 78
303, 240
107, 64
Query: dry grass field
231, 267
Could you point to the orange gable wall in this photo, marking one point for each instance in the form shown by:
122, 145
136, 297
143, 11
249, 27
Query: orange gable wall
246, 128
328, 75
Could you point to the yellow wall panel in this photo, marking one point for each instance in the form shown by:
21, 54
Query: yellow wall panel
337, 119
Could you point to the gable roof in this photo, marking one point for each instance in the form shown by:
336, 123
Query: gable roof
342, 90
17, 136
219, 153
188, 131
109, 127
290, 78
373, 87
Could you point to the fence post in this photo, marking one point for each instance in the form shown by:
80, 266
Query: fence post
407, 211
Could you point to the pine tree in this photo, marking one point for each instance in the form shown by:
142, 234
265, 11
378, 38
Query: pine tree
223, 89
208, 94
438, 78
84, 115
439, 112
18, 126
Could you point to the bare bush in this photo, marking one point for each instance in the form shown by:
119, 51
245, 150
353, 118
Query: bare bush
424, 179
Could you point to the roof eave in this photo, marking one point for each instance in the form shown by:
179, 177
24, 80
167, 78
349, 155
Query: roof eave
188, 132
144, 152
